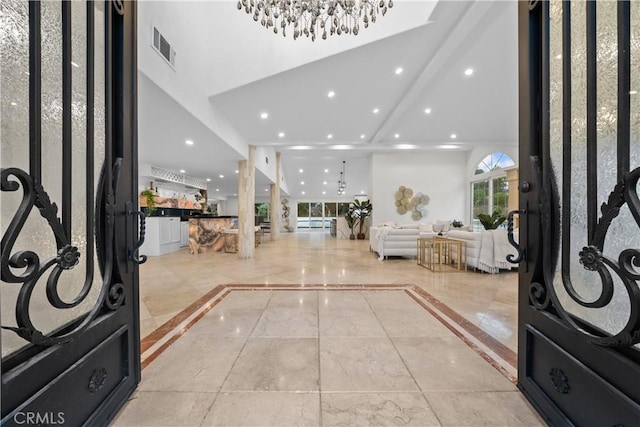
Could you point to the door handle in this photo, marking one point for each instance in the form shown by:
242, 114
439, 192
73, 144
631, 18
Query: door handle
522, 254
143, 228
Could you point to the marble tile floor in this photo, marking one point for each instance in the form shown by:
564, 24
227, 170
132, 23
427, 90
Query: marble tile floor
414, 388
267, 355
169, 283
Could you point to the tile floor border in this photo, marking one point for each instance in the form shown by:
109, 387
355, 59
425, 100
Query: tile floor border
491, 350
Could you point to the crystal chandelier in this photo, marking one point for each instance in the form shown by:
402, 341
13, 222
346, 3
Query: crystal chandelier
313, 18
342, 184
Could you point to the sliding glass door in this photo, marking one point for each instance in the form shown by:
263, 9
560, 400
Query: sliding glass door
318, 215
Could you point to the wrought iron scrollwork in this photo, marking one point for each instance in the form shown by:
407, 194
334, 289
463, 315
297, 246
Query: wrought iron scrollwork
118, 5
593, 259
66, 258
143, 227
559, 380
539, 296
97, 380
521, 251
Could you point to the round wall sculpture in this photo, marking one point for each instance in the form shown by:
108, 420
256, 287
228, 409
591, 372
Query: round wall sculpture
406, 201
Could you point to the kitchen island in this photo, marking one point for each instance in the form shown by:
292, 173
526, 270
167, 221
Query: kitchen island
206, 232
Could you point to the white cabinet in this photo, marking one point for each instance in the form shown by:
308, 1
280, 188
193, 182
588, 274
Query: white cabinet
162, 236
184, 234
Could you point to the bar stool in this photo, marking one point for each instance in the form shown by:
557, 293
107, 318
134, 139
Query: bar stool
230, 240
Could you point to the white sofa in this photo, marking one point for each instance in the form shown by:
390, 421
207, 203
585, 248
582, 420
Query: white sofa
391, 239
486, 250
397, 240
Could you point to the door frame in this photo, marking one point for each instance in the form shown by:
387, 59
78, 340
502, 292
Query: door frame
560, 368
87, 378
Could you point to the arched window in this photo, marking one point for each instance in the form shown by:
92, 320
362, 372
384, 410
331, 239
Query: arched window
489, 187
494, 161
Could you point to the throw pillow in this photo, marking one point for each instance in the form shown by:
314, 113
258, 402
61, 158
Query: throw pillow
442, 226
426, 227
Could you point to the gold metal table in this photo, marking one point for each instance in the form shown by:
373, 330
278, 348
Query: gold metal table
436, 252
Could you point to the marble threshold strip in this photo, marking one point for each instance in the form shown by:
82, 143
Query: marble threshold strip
491, 350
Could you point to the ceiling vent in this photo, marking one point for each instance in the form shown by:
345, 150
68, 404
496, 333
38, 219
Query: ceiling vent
163, 47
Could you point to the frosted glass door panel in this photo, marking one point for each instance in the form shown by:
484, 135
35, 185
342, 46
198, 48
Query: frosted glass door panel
571, 167
84, 159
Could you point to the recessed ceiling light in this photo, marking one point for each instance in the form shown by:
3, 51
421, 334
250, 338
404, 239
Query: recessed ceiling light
324, 182
329, 136
264, 115
300, 147
406, 146
468, 71
454, 136
324, 192
217, 189
301, 182
633, 92
208, 179
447, 146
376, 110
303, 193
221, 176
331, 94
326, 171
235, 194
281, 135
188, 142
74, 64
399, 70
300, 170
396, 136
361, 191
266, 189
27, 73
340, 147
237, 171
362, 136
14, 104
427, 110
559, 56
183, 171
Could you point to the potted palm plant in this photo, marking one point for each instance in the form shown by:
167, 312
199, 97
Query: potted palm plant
150, 201
492, 222
351, 222
362, 210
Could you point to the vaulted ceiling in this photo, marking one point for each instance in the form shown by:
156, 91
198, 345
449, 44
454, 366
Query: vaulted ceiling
425, 72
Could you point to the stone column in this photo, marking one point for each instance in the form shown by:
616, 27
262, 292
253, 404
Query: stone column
275, 202
514, 193
246, 205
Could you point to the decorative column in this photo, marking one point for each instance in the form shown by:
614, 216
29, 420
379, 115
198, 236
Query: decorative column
275, 202
246, 205
514, 193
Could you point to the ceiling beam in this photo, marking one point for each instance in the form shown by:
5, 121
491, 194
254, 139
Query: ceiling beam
457, 35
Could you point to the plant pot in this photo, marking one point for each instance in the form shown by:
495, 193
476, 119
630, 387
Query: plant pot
361, 236
352, 237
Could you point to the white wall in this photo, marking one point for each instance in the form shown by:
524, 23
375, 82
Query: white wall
441, 176
188, 82
231, 206
266, 162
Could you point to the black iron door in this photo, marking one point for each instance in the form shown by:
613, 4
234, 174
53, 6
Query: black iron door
579, 309
69, 309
